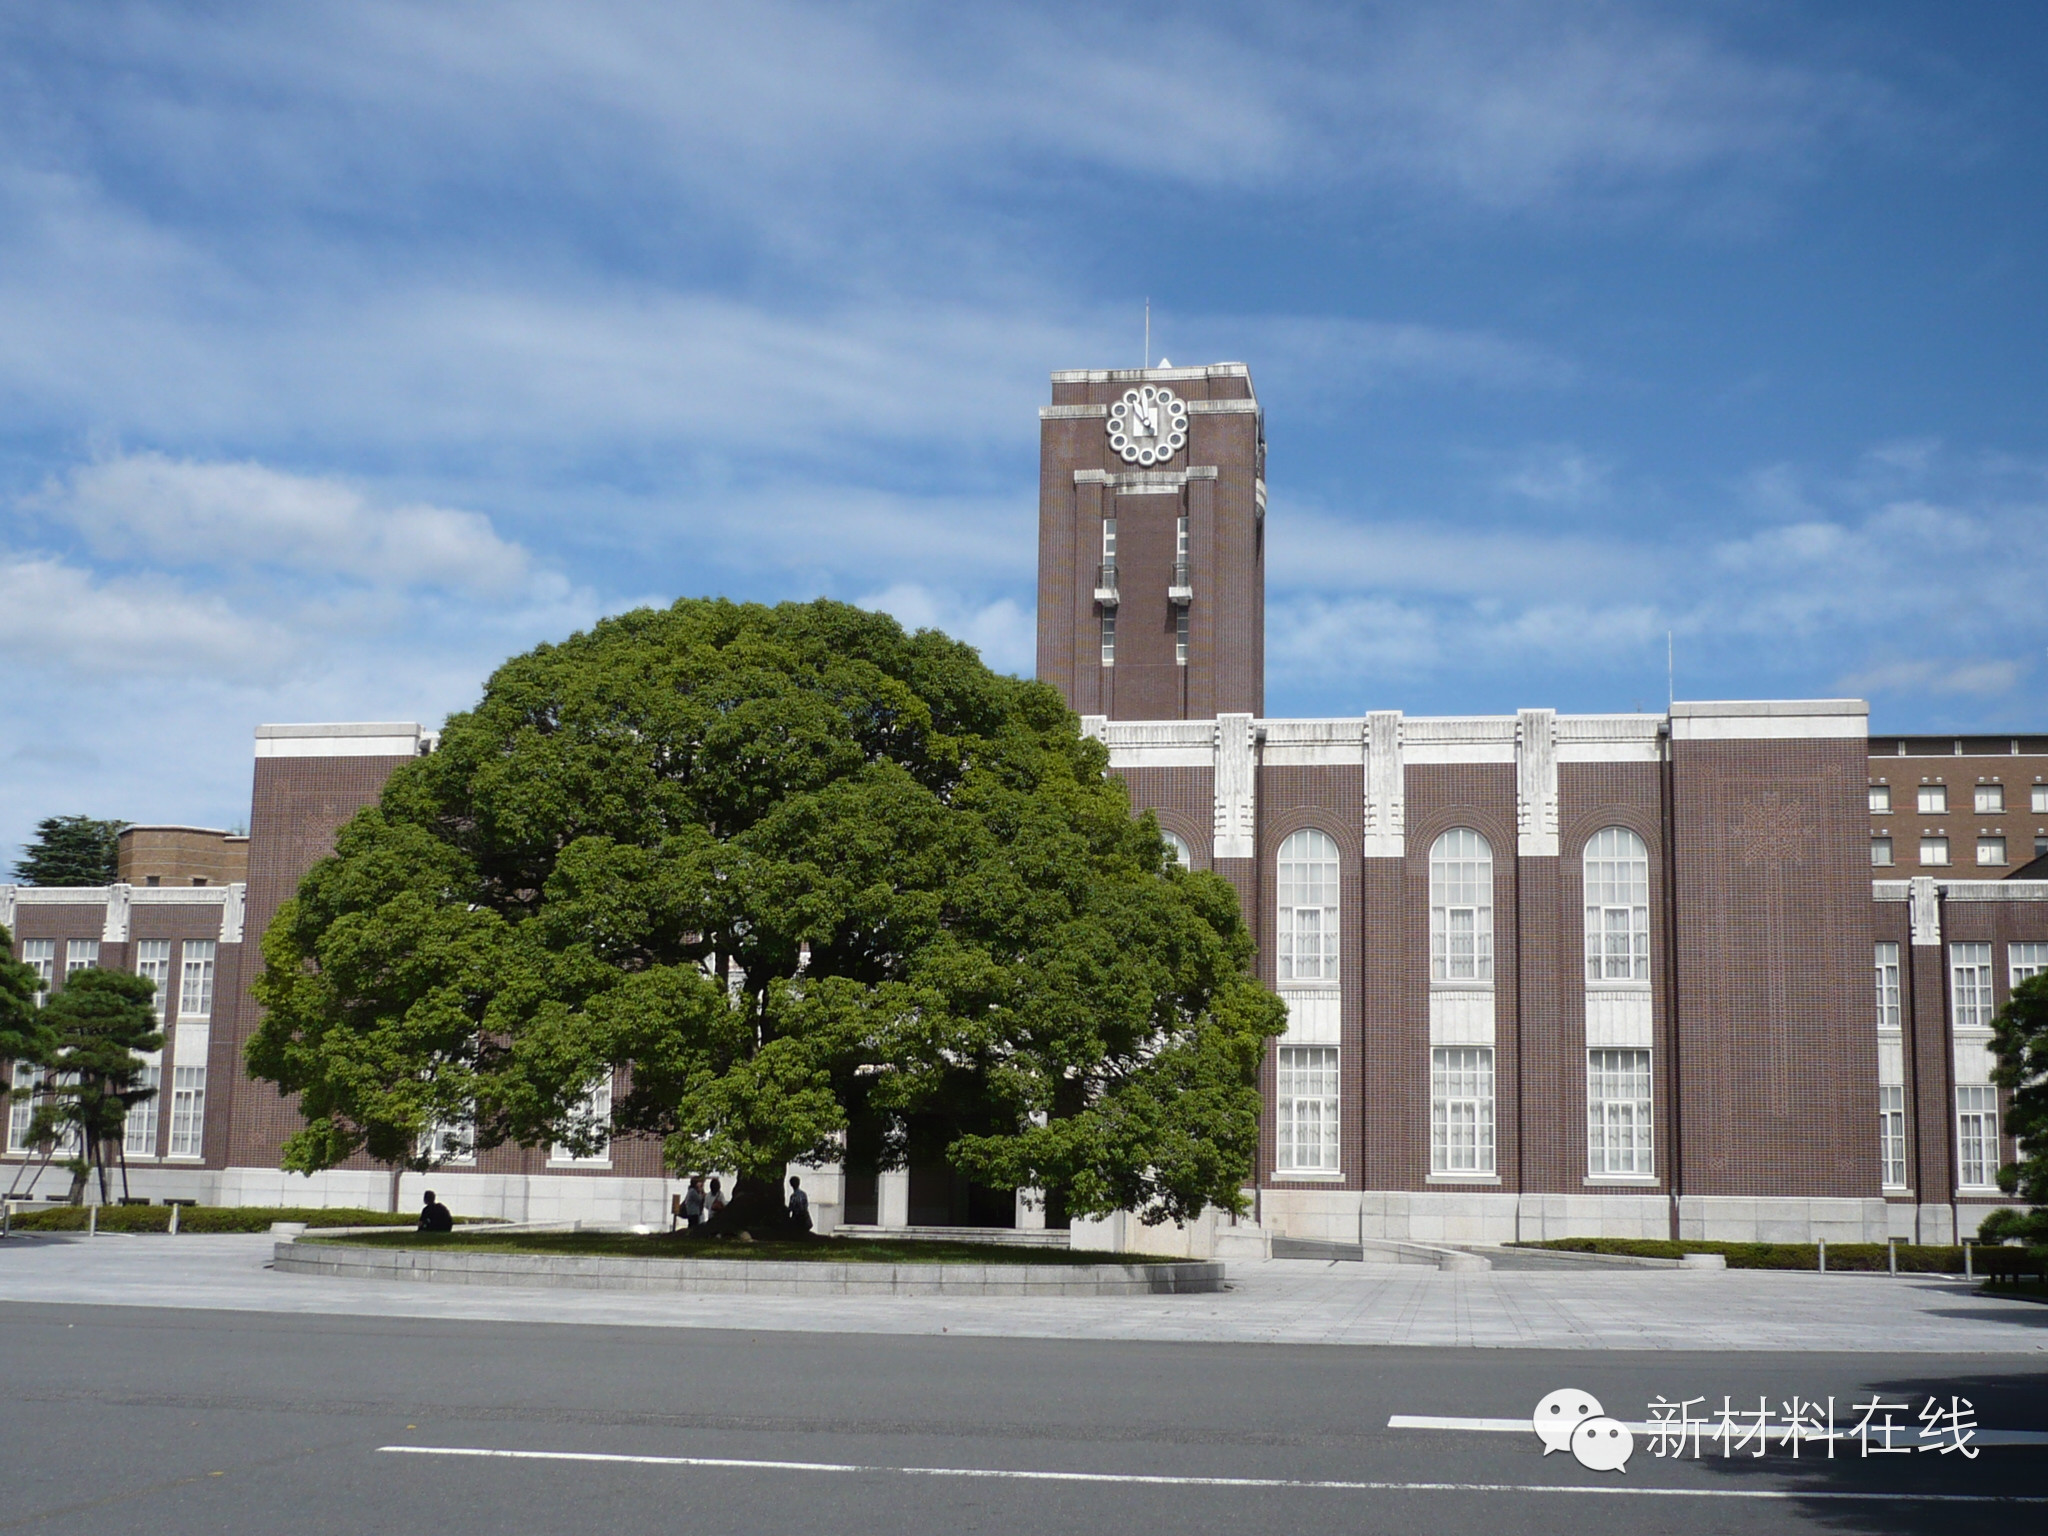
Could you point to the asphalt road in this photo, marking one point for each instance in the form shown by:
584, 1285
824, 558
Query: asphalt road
116, 1420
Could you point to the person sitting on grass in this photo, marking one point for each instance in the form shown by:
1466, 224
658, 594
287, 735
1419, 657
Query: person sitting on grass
435, 1217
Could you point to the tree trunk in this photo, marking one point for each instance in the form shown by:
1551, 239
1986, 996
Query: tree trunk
755, 1207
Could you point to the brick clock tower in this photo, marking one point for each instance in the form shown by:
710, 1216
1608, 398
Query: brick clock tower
1152, 542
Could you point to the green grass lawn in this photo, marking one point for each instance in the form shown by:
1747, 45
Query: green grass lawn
203, 1218
1914, 1258
662, 1245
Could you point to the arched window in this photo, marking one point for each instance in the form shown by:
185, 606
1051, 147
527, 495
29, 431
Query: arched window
1308, 907
1178, 847
1461, 907
1617, 906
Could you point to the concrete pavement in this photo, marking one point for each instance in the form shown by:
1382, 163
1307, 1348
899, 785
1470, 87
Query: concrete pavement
1279, 1301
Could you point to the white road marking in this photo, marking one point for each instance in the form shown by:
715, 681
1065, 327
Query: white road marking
1522, 1427
1157, 1480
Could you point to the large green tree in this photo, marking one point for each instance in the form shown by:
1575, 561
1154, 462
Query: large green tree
100, 1021
26, 1038
71, 850
2019, 1037
794, 876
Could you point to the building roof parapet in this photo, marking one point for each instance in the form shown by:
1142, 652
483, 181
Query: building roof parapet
1140, 481
393, 738
1149, 375
1769, 719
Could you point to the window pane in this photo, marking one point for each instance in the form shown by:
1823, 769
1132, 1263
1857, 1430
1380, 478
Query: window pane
1990, 850
1880, 850
1307, 1102
1461, 1110
1970, 985
195, 994
1618, 1112
1461, 907
1933, 799
139, 1138
1307, 880
188, 1110
1891, 1136
1887, 964
1933, 850
1989, 798
2025, 960
1880, 797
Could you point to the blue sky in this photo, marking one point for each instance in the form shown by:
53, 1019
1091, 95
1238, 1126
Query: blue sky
347, 349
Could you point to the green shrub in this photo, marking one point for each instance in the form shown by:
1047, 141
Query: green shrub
204, 1218
1914, 1258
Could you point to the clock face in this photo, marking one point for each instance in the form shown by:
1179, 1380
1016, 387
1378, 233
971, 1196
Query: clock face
1149, 425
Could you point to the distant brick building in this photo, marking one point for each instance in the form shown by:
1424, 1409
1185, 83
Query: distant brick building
1546, 974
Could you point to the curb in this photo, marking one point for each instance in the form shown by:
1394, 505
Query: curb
748, 1277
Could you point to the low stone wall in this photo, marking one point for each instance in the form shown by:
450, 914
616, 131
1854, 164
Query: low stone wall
749, 1277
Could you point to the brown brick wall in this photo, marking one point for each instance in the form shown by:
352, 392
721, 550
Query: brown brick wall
1777, 1060
2023, 828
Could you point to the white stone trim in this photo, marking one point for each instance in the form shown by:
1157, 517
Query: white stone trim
1618, 1017
1536, 783
1154, 743
1461, 1016
1466, 739
1769, 719
1237, 788
1146, 482
1974, 1059
60, 895
1386, 788
1995, 890
1891, 1059
1138, 375
1314, 743
1608, 738
233, 911
1072, 412
1223, 407
1315, 1016
7, 893
115, 929
1925, 910
356, 739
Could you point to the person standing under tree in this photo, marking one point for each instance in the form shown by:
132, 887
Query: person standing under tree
799, 1206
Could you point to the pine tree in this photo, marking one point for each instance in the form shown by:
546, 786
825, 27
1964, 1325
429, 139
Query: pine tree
100, 1021
71, 850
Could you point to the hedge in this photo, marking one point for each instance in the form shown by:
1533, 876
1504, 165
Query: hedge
204, 1218
1914, 1258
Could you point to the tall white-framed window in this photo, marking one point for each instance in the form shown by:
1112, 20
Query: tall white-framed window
1618, 1113
80, 955
592, 1116
2024, 961
1891, 1135
1880, 799
1886, 964
188, 1111
1617, 906
452, 1143
1178, 847
1180, 544
1306, 1131
40, 956
1988, 799
153, 961
1109, 544
1461, 907
1931, 800
1461, 1109
21, 1108
1308, 873
1109, 637
1180, 636
139, 1129
195, 988
1976, 1136
1969, 969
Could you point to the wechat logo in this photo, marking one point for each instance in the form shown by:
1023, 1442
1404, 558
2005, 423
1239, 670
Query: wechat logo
1571, 1420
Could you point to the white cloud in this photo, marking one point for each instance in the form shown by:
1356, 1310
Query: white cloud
1985, 678
58, 616
1002, 630
179, 513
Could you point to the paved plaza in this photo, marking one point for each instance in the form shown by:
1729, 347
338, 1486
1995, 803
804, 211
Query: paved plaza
1277, 1301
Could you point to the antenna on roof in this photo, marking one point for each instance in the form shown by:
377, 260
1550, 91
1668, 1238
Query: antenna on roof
1670, 673
1146, 361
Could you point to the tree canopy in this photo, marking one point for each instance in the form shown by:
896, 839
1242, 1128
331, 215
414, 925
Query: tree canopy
100, 1021
71, 850
790, 874
2019, 1037
24, 1032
